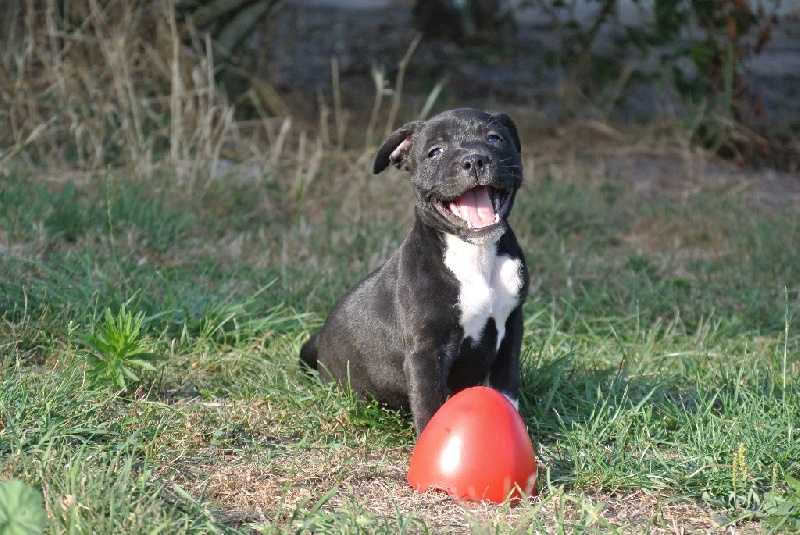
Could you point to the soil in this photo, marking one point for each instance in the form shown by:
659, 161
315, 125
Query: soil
245, 490
658, 165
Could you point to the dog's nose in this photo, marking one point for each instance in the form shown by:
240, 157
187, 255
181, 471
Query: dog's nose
475, 162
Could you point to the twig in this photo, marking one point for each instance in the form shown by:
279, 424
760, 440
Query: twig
18, 146
706, 467
398, 86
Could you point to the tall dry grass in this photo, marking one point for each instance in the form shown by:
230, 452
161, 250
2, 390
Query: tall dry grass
92, 84
88, 85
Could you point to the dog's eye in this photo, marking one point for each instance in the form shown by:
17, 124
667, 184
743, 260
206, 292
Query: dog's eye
435, 151
493, 138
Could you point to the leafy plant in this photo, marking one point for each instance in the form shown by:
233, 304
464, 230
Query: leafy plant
21, 510
782, 509
704, 46
117, 348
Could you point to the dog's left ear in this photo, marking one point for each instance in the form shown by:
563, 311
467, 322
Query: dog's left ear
396, 148
506, 121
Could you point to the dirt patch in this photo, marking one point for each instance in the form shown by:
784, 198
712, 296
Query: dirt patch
655, 161
281, 489
672, 176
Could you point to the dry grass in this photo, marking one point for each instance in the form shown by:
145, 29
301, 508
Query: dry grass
279, 486
123, 84
249, 491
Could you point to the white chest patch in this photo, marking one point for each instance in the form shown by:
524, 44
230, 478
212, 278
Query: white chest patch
489, 285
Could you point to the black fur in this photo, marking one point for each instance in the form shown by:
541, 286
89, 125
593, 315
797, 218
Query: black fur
396, 335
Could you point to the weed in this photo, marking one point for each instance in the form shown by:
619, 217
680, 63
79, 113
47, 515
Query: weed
116, 348
781, 510
739, 468
21, 511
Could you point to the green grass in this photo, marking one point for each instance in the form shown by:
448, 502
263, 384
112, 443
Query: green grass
648, 367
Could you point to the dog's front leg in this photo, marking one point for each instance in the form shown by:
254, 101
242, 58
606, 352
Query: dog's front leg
426, 386
504, 374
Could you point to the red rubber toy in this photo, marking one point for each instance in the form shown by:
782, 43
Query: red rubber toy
475, 447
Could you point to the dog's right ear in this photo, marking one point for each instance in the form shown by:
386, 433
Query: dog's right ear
396, 148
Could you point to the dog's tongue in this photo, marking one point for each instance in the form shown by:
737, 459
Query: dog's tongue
475, 207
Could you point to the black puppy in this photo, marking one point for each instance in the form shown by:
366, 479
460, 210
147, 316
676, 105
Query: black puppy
445, 311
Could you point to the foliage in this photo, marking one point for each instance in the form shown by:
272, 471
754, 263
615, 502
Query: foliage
92, 81
727, 33
781, 510
116, 348
229, 25
703, 44
21, 511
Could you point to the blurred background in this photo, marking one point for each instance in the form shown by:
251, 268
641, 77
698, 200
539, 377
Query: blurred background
727, 72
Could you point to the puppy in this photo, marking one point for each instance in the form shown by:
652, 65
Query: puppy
444, 312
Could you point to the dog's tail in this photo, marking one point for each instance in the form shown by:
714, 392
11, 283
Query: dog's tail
308, 353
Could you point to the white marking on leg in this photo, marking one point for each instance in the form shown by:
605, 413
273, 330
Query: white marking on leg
514, 401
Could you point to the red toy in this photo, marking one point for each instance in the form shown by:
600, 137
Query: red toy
477, 447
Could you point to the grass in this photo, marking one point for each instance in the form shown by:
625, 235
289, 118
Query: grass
646, 372
660, 357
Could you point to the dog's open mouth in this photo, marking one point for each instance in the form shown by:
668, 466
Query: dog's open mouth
479, 207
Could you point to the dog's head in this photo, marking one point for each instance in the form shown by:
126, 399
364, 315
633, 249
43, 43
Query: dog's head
465, 167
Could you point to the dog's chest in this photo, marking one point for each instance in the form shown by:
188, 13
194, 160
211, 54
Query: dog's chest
489, 285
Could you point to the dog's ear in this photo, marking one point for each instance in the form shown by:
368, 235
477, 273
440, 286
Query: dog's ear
506, 121
396, 148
